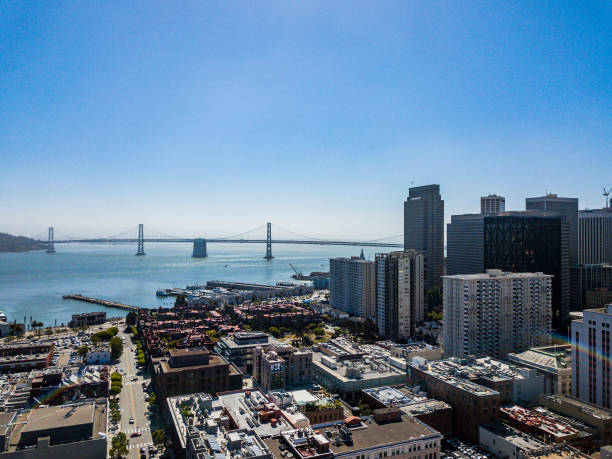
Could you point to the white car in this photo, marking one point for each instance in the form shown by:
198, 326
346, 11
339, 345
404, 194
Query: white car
131, 420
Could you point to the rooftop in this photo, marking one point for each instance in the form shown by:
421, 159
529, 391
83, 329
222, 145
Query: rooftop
584, 407
497, 274
368, 435
514, 436
547, 358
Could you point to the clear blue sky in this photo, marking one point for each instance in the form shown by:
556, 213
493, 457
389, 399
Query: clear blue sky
210, 117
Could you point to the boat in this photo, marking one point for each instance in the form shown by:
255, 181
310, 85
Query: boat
2, 315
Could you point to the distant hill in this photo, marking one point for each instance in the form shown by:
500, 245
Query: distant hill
10, 243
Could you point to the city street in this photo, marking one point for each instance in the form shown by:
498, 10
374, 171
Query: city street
132, 401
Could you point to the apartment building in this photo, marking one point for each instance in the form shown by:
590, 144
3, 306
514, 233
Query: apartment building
495, 313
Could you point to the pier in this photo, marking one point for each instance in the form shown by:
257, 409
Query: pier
108, 304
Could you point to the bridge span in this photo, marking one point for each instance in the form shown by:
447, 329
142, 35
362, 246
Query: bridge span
200, 244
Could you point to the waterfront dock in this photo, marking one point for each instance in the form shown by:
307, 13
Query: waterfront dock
108, 304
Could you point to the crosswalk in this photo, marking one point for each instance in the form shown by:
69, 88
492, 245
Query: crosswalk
136, 429
139, 445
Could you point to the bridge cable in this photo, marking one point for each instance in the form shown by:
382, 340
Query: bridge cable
297, 234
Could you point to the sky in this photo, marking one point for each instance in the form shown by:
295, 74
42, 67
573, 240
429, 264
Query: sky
211, 118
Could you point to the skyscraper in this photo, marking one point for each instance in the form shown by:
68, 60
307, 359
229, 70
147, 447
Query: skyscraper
400, 295
567, 206
496, 313
465, 244
352, 286
492, 204
595, 236
424, 229
532, 242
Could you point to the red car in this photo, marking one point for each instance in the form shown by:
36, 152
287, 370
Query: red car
136, 434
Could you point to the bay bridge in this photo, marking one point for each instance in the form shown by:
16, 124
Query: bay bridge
200, 243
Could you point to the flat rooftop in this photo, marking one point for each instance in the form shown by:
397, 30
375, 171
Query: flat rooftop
59, 416
215, 360
349, 370
514, 436
584, 407
373, 434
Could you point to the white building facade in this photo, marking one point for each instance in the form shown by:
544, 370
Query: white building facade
496, 313
591, 365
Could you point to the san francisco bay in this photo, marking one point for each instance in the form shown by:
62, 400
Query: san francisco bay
32, 283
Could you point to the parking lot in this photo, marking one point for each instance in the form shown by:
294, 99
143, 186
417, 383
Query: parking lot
453, 447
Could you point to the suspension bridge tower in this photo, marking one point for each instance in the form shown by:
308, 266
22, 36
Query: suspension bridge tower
140, 240
51, 243
199, 248
268, 242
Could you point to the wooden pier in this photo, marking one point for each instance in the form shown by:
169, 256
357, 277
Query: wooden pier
108, 304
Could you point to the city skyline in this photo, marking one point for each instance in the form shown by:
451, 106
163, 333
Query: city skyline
316, 117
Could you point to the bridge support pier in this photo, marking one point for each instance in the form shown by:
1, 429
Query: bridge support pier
140, 240
199, 248
51, 244
268, 242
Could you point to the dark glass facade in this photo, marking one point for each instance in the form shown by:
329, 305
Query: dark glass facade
532, 243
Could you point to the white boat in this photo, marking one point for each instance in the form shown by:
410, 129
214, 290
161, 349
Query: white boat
2, 315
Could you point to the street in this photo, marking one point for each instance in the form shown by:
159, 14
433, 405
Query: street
132, 400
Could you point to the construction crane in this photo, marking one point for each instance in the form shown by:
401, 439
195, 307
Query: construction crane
298, 274
606, 194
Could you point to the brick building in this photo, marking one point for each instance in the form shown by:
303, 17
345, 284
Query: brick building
189, 371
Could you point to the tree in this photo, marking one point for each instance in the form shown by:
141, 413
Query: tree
152, 400
159, 437
131, 318
15, 329
82, 351
115, 415
116, 347
113, 331
36, 324
274, 331
319, 331
119, 448
180, 301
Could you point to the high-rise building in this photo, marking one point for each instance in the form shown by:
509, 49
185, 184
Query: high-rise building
492, 204
595, 236
496, 313
424, 229
569, 208
591, 363
352, 286
591, 286
465, 244
400, 296
532, 242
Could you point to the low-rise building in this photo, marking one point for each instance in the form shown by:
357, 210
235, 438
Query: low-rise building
360, 367
412, 349
57, 432
23, 357
391, 434
545, 426
239, 348
98, 356
598, 419
277, 366
434, 413
304, 408
201, 429
502, 440
554, 362
515, 384
472, 403
195, 370
87, 319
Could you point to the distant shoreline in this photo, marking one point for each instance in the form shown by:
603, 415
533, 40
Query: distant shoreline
16, 244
